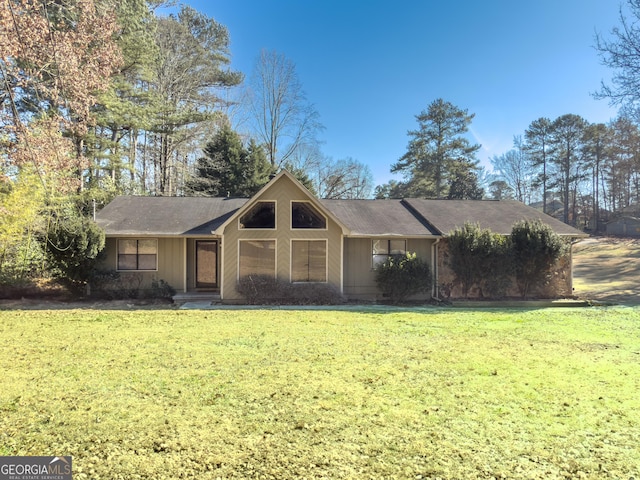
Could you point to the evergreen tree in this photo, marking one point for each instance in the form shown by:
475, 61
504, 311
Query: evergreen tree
228, 169
438, 154
538, 138
567, 138
192, 68
464, 185
126, 108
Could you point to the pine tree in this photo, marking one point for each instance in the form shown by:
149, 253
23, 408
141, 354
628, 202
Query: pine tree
438, 153
228, 169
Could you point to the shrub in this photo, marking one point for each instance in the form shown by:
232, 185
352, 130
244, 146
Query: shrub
499, 268
112, 285
162, 289
267, 290
402, 276
73, 244
482, 258
106, 284
536, 248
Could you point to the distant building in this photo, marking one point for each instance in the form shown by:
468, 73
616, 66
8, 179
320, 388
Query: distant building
625, 225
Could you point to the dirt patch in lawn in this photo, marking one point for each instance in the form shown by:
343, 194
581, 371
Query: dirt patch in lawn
607, 269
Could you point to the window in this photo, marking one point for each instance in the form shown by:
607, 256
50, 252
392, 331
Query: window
383, 249
309, 261
257, 257
261, 215
137, 254
304, 215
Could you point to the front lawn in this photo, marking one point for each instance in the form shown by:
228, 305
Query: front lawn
324, 394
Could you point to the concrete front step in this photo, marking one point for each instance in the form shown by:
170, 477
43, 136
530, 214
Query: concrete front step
182, 297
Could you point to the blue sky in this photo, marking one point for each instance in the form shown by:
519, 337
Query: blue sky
370, 66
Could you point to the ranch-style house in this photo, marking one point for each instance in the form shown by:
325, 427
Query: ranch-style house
202, 246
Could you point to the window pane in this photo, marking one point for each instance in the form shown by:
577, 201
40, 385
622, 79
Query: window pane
258, 257
308, 261
127, 262
304, 215
261, 215
317, 261
379, 260
147, 247
299, 261
397, 247
128, 246
146, 262
380, 247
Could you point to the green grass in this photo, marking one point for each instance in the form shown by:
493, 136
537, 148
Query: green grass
324, 394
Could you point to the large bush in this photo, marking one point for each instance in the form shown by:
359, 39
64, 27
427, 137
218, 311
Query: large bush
536, 248
73, 244
480, 258
402, 276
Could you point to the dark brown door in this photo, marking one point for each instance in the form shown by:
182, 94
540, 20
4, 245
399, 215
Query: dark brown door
206, 263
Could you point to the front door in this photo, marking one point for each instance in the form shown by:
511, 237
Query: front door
206, 263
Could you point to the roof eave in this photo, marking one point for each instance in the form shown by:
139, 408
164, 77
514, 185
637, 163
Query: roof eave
392, 235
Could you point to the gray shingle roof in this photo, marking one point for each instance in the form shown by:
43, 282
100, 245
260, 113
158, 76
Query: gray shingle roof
166, 216
378, 218
191, 216
498, 216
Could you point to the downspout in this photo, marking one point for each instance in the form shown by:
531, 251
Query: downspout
434, 262
342, 239
220, 259
571, 244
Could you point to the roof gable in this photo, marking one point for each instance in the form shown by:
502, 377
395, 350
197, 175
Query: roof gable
280, 177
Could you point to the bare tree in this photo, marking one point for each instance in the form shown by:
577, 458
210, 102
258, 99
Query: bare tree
190, 73
622, 54
515, 169
283, 120
343, 179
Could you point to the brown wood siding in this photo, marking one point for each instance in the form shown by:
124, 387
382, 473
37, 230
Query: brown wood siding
283, 192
